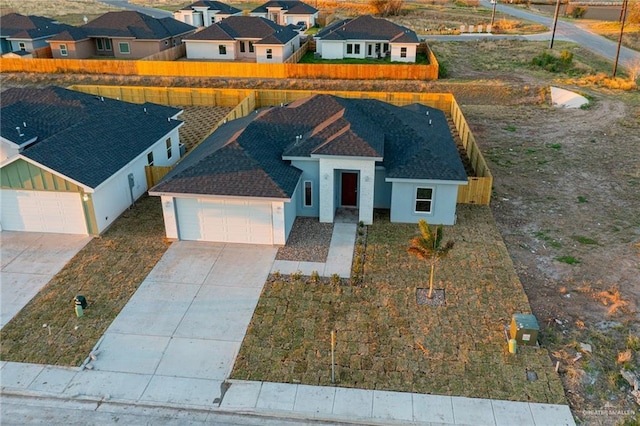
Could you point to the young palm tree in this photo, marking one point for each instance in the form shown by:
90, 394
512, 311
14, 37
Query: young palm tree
428, 246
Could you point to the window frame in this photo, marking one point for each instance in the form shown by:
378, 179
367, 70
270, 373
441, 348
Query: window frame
107, 45
169, 146
269, 53
252, 49
99, 45
63, 50
150, 158
417, 200
222, 49
22, 46
243, 47
124, 43
307, 195
403, 52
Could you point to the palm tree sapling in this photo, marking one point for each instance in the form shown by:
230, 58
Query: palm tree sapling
428, 246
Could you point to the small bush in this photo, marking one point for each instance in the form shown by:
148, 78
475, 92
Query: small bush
576, 11
569, 260
443, 72
553, 63
315, 276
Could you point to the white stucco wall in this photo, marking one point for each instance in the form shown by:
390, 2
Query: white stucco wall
210, 50
328, 187
278, 54
330, 49
396, 49
169, 216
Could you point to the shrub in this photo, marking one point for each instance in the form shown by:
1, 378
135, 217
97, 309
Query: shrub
576, 11
553, 63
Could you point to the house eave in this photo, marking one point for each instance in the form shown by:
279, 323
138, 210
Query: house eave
345, 157
433, 181
214, 196
50, 170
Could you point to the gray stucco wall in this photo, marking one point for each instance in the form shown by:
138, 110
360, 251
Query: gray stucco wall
382, 190
290, 211
443, 206
310, 172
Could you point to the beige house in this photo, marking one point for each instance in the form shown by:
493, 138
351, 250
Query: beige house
124, 35
204, 13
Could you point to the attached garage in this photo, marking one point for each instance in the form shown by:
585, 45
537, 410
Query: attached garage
225, 220
43, 211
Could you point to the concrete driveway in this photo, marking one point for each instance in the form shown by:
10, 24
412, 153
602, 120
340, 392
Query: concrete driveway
29, 260
177, 338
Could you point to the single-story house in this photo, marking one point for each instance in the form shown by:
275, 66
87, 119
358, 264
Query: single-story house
246, 38
20, 33
287, 12
204, 13
71, 162
124, 35
367, 37
249, 180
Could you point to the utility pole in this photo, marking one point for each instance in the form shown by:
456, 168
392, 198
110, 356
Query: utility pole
555, 23
623, 13
493, 14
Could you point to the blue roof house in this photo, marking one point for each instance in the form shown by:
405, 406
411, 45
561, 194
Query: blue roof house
249, 180
71, 162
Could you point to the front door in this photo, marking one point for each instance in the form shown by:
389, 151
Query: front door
349, 189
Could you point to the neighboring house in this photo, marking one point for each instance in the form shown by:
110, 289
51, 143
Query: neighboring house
125, 35
205, 13
246, 38
249, 180
72, 162
367, 37
287, 13
19, 33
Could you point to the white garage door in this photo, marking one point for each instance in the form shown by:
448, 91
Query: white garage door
42, 211
231, 221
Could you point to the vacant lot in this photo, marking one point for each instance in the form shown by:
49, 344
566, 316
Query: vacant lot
66, 11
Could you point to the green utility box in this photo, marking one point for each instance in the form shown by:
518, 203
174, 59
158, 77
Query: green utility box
524, 329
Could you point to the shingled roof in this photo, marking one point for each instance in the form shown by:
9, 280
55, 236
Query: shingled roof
14, 25
84, 137
292, 7
251, 156
246, 27
367, 27
213, 5
127, 24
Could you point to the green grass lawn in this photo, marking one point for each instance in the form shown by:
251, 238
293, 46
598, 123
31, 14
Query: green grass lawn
385, 340
309, 58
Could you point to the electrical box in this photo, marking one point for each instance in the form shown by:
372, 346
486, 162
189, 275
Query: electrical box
524, 329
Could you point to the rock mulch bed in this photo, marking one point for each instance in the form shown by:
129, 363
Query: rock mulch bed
308, 242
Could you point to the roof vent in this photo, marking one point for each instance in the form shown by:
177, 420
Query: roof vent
427, 113
20, 134
101, 98
169, 119
429, 122
145, 110
24, 124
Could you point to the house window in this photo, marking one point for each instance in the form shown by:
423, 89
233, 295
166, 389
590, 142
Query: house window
124, 48
22, 46
349, 49
308, 194
251, 50
107, 44
222, 49
150, 158
424, 198
63, 50
99, 44
356, 49
242, 47
169, 151
403, 52
269, 53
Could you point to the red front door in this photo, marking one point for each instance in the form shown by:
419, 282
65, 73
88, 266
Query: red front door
349, 189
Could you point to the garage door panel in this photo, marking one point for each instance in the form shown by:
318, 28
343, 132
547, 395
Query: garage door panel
232, 221
43, 211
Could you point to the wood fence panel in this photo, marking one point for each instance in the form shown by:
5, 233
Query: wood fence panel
155, 173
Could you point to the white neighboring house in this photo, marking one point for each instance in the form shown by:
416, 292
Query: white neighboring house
287, 13
244, 38
71, 162
367, 37
204, 13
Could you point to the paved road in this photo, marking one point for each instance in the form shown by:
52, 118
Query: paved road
570, 31
156, 13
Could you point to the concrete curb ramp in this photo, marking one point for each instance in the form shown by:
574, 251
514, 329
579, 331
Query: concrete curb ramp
567, 98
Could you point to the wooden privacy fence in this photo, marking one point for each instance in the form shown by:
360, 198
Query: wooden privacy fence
192, 68
170, 54
155, 173
477, 191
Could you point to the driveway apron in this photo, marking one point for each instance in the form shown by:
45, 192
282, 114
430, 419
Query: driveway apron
177, 338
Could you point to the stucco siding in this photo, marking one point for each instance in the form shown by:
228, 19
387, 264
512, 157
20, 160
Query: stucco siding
75, 50
382, 190
210, 50
290, 212
310, 172
396, 52
331, 50
278, 54
443, 205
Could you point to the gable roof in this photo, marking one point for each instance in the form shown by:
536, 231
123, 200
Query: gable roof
213, 5
291, 7
367, 27
251, 156
246, 27
14, 25
84, 137
127, 24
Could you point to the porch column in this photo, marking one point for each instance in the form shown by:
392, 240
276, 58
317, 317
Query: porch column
366, 189
326, 188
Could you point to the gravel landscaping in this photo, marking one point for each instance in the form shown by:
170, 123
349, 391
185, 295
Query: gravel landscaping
308, 242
